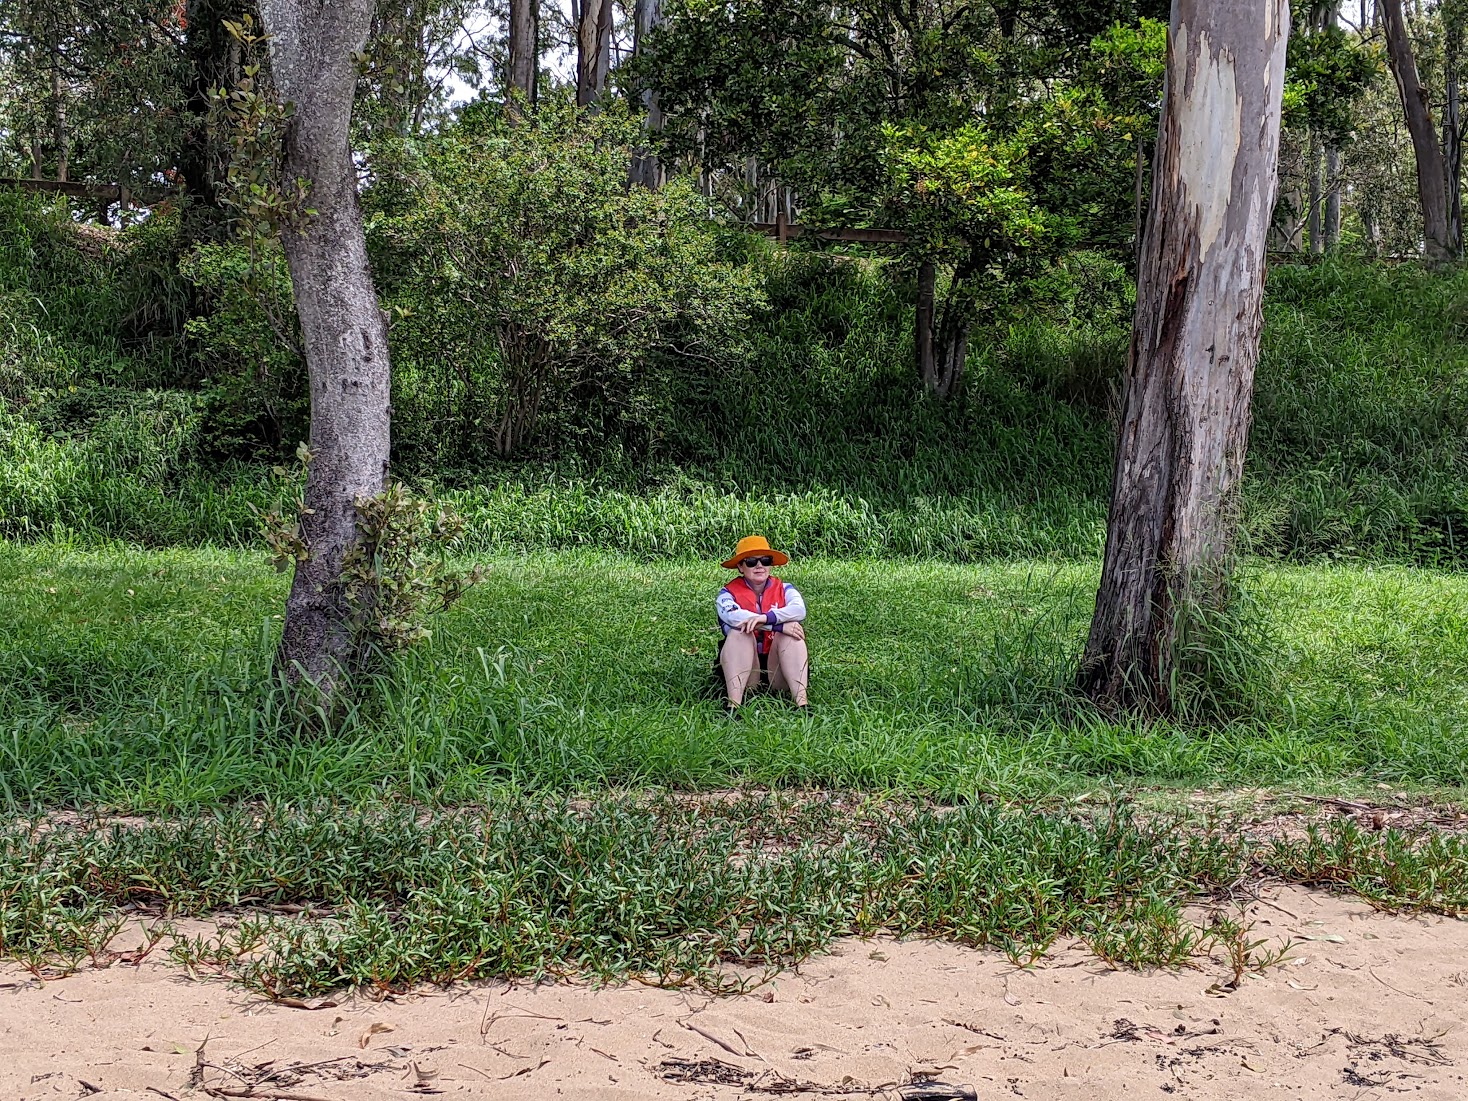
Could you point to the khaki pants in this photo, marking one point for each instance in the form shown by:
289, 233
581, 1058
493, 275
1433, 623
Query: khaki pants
789, 665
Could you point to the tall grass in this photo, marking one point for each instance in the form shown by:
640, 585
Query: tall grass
142, 680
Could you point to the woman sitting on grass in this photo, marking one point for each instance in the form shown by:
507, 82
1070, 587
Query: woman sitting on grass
761, 617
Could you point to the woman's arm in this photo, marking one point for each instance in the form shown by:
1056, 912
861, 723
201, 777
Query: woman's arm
731, 615
792, 612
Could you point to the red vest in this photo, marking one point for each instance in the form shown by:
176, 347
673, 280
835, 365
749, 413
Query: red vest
746, 598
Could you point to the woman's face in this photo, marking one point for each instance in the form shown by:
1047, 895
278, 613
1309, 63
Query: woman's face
758, 573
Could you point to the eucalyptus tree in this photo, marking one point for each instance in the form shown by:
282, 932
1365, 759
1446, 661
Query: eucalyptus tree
646, 16
1329, 72
1442, 233
1195, 343
417, 52
523, 47
593, 49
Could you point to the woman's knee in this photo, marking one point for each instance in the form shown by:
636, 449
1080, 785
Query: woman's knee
738, 652
791, 653
788, 645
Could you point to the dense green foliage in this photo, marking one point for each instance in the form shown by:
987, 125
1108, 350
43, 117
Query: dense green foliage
119, 422
538, 299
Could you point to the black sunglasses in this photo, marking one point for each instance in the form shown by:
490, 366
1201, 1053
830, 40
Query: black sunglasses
763, 560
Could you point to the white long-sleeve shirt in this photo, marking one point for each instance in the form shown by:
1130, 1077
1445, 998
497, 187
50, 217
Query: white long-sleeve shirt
731, 615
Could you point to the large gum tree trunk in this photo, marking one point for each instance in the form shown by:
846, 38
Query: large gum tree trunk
311, 48
1195, 342
1440, 236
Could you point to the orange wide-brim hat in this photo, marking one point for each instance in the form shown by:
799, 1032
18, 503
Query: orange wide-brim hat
751, 545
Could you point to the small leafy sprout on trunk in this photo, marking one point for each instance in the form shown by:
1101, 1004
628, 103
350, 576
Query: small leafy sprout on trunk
398, 574
280, 526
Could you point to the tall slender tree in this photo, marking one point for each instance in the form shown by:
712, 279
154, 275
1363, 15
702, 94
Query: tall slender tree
647, 14
593, 50
312, 44
1195, 342
1442, 238
524, 48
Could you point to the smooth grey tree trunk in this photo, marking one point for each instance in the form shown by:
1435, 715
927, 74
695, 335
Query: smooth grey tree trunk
603, 47
345, 338
1439, 240
524, 47
1195, 342
1313, 224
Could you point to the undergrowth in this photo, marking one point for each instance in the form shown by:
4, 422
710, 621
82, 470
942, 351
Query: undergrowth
819, 436
719, 893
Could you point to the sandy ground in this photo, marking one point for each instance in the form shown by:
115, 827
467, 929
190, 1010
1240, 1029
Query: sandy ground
1368, 1006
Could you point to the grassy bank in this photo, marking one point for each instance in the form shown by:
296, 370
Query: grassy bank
114, 425
139, 679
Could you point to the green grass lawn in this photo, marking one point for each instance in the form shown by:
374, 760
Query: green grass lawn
137, 679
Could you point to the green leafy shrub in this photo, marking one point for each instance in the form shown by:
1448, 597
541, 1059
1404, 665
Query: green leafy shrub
243, 339
538, 301
399, 574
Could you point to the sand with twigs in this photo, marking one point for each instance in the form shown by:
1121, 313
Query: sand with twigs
1366, 1006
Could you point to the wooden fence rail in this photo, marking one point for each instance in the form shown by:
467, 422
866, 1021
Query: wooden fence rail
78, 189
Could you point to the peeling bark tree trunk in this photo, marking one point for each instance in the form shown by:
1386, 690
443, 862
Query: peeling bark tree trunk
1195, 343
311, 48
645, 167
524, 47
1438, 238
593, 50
